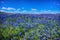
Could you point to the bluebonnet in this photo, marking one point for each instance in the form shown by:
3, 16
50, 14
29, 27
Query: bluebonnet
40, 31
20, 33
26, 30
42, 36
57, 38
29, 38
47, 32
55, 29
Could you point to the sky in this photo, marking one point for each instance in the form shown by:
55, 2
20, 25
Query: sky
30, 6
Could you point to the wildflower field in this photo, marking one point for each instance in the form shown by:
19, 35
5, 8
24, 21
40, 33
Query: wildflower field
29, 26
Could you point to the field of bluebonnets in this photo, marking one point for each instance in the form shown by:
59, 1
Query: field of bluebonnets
29, 26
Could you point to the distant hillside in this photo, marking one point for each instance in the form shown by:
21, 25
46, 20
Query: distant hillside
4, 16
